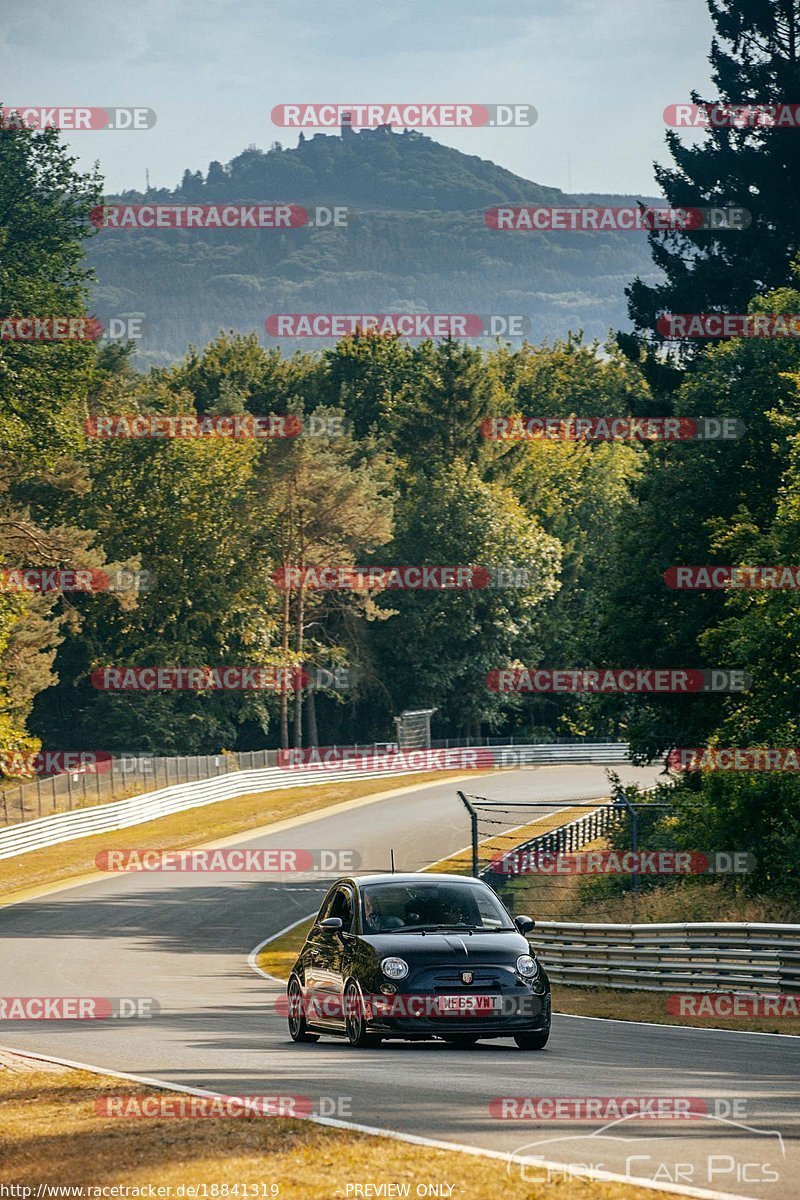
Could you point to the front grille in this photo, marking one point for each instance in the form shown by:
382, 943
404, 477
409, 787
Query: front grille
484, 981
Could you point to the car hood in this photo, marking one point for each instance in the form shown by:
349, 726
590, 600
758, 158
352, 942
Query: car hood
487, 947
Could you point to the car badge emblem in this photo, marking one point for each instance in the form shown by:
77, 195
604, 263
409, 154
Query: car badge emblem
467, 976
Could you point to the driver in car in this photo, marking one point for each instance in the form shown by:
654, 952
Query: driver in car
374, 921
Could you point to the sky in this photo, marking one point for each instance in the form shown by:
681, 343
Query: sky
599, 73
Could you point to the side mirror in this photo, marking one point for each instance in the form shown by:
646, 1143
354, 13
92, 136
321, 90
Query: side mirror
332, 924
523, 924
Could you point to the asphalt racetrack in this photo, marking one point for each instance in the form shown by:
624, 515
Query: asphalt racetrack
184, 940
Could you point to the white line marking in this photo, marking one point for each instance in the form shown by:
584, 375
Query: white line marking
669, 1025
373, 1131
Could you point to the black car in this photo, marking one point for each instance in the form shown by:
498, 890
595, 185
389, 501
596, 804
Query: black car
414, 957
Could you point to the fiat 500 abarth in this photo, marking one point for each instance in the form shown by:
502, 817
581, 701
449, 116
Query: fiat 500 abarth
414, 957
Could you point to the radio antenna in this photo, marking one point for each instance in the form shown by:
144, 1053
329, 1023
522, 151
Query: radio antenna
391, 852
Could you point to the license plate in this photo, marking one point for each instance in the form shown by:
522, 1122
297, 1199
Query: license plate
449, 1006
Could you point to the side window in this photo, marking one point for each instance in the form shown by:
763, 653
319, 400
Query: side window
343, 907
327, 905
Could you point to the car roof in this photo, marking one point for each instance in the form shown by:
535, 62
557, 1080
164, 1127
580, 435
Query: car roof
414, 877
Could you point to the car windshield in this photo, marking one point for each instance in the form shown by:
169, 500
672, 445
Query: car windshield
431, 905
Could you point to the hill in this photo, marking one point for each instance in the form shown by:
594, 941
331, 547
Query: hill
416, 240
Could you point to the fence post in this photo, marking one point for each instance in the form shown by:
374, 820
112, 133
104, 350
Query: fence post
473, 816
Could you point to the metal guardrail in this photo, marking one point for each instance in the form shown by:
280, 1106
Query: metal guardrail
121, 777
589, 752
133, 774
121, 814
577, 833
699, 957
704, 957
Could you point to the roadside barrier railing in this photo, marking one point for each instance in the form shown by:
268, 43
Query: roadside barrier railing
26, 836
727, 956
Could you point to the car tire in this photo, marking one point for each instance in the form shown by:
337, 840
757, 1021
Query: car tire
460, 1039
355, 1025
298, 1030
532, 1041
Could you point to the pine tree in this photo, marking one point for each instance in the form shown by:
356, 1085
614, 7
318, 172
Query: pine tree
754, 58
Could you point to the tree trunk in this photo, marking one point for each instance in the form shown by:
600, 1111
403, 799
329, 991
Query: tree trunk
311, 718
299, 644
284, 691
286, 543
298, 695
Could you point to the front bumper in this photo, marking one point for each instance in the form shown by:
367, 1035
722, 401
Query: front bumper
415, 1015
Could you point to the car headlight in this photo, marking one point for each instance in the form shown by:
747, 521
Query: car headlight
394, 968
527, 966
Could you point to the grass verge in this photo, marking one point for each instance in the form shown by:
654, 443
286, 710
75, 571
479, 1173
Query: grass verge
51, 1133
195, 827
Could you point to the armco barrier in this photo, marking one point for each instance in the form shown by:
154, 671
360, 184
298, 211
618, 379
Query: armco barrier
565, 839
121, 814
134, 774
708, 957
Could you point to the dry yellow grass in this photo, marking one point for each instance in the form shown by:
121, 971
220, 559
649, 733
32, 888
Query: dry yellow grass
195, 827
461, 862
51, 1133
652, 1006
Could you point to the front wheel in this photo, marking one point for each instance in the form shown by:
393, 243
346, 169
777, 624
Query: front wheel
355, 1023
532, 1041
298, 1030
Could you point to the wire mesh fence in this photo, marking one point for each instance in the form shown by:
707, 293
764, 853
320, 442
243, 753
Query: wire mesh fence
132, 774
567, 859
117, 779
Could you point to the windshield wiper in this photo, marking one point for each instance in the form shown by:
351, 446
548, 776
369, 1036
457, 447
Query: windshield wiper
444, 925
